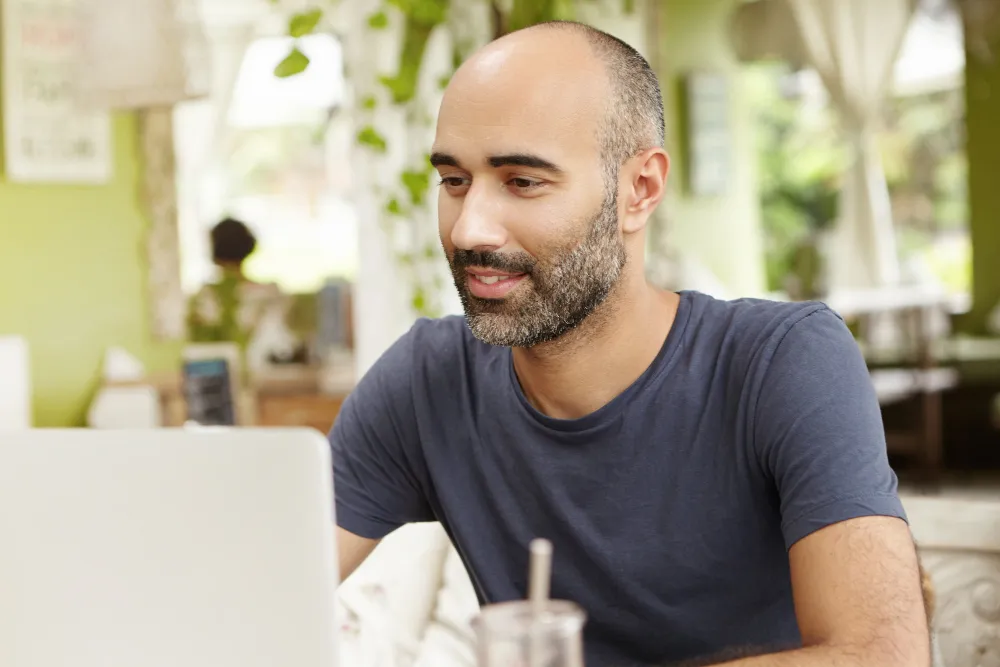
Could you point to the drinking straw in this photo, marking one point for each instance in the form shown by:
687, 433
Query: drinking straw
539, 573
539, 579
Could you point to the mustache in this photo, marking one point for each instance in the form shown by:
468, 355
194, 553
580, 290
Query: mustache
510, 262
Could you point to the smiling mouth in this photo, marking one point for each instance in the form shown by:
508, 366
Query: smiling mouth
492, 280
492, 285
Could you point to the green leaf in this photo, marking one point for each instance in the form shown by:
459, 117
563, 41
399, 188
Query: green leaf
524, 13
402, 88
304, 23
422, 16
378, 21
444, 81
393, 207
419, 300
416, 183
369, 103
425, 12
294, 63
430, 251
369, 136
628, 6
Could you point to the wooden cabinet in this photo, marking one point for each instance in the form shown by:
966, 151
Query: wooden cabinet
314, 410
291, 396
282, 398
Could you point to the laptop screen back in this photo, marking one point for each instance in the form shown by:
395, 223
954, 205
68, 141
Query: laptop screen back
205, 548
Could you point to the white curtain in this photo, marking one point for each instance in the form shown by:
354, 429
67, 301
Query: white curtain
853, 45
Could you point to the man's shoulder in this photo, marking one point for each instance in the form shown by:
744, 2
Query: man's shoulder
751, 329
449, 328
439, 338
424, 359
437, 357
756, 315
442, 346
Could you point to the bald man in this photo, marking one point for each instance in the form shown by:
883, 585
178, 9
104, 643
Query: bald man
712, 474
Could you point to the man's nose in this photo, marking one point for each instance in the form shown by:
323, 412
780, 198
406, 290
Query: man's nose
478, 226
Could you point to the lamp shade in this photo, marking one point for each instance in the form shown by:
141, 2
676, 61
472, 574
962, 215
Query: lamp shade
141, 54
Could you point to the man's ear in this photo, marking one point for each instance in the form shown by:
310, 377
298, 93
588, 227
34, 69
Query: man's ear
644, 187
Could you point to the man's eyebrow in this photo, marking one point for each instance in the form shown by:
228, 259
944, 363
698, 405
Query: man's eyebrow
523, 160
439, 159
443, 160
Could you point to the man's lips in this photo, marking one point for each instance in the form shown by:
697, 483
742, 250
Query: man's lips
490, 284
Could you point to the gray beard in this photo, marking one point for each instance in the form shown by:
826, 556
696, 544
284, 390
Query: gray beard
564, 289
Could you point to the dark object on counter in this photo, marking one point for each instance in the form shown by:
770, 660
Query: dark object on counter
208, 392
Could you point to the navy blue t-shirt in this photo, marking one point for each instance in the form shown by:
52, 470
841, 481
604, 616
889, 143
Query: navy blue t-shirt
670, 509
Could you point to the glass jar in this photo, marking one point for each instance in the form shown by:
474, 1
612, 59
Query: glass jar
515, 634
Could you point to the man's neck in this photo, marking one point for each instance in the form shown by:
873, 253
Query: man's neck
584, 370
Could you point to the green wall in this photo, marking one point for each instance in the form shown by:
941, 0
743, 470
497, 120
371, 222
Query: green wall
723, 232
73, 280
982, 91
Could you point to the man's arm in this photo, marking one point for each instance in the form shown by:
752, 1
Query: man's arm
352, 551
858, 599
818, 434
380, 477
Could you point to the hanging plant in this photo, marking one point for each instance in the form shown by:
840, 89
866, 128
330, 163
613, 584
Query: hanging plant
422, 16
525, 13
299, 25
420, 19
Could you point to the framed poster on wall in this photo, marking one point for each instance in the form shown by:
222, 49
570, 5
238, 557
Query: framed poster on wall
48, 136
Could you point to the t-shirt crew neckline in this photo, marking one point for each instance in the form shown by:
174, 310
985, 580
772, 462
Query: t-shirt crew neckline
661, 364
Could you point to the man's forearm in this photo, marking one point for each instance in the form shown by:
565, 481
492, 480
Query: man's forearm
876, 655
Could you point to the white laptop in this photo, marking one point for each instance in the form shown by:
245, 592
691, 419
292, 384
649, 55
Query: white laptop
166, 548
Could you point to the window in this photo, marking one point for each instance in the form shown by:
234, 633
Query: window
274, 156
801, 158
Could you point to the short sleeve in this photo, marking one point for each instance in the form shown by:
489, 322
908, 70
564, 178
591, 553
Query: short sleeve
818, 429
380, 477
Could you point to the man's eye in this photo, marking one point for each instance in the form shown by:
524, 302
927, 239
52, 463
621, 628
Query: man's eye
453, 181
524, 183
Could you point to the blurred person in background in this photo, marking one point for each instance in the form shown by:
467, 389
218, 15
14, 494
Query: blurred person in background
236, 309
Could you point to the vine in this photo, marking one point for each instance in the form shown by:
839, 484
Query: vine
403, 204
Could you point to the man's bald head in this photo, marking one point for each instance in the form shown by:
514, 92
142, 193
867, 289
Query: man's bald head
634, 115
632, 118
549, 148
